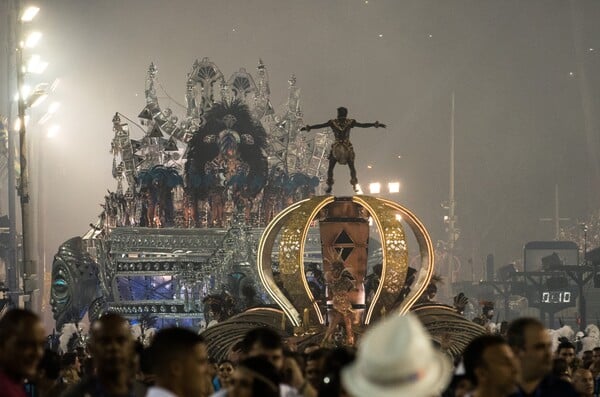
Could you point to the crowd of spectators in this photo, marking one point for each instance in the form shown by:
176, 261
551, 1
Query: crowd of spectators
395, 357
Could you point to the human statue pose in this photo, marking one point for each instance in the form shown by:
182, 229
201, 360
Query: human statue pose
341, 150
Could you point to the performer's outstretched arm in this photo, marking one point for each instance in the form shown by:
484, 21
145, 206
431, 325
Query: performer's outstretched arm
314, 126
376, 124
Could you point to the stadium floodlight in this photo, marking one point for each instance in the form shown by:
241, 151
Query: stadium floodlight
32, 39
29, 13
36, 65
394, 187
375, 187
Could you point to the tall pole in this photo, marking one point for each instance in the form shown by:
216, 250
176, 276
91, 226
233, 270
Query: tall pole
30, 282
556, 214
12, 259
451, 202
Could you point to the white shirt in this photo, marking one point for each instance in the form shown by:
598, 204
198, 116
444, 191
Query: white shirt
157, 391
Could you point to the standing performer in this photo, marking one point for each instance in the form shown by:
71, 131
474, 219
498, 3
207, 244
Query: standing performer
341, 150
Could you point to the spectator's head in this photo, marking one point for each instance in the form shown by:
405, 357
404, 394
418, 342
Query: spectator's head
255, 376
596, 355
560, 369
396, 357
313, 372
180, 361
70, 360
460, 386
266, 342
48, 373
490, 364
583, 382
112, 345
531, 344
566, 351
49, 366
331, 385
587, 357
145, 374
224, 372
22, 342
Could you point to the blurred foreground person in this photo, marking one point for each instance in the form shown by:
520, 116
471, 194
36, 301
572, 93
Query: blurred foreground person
396, 358
313, 371
48, 382
180, 364
492, 367
460, 386
112, 349
583, 382
587, 358
532, 345
22, 342
330, 384
561, 369
254, 377
595, 366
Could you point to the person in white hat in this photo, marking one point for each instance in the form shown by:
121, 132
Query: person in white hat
397, 358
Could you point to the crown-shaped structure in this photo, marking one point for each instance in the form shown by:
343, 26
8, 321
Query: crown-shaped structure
347, 297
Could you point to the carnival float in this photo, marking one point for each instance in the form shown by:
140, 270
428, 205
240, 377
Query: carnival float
218, 222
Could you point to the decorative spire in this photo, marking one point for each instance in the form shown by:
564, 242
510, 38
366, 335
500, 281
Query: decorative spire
150, 91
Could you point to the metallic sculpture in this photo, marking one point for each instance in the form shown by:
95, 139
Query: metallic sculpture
342, 150
75, 284
193, 193
345, 280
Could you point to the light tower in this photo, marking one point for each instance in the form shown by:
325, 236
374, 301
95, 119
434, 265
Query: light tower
26, 99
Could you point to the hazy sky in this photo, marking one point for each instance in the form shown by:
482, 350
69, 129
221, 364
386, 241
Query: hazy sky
525, 74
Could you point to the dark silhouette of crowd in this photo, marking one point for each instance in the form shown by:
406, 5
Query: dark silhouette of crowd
395, 357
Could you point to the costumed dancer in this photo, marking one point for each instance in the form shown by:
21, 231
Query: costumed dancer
339, 283
341, 150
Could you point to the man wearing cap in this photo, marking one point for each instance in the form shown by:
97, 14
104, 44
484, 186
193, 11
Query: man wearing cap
491, 365
532, 346
396, 358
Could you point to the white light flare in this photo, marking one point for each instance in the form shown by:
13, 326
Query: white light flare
394, 187
32, 39
30, 13
35, 65
375, 187
53, 131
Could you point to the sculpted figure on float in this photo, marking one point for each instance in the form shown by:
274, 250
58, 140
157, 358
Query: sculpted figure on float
342, 150
75, 283
226, 160
340, 282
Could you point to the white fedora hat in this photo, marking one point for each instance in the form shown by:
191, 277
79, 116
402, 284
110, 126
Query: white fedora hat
397, 358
